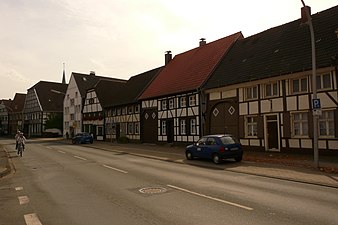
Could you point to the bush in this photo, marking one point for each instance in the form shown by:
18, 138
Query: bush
123, 140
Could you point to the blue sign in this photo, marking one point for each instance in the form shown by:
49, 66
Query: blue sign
316, 104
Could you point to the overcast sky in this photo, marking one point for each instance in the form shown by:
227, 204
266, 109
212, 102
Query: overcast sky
120, 38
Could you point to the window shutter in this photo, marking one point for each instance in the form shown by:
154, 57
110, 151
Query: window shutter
286, 125
241, 127
260, 127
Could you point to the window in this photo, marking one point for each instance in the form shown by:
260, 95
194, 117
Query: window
183, 126
326, 124
118, 111
211, 141
91, 101
137, 109
171, 103
163, 127
100, 131
192, 100
271, 89
76, 94
299, 85
137, 128
124, 110
72, 116
193, 126
323, 81
130, 128
183, 101
251, 126
72, 101
251, 92
130, 109
164, 104
300, 124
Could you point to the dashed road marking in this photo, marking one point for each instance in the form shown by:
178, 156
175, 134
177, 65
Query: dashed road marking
79, 157
112, 168
23, 200
211, 198
32, 219
49, 147
62, 152
19, 188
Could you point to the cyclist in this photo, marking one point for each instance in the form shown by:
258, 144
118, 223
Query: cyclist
21, 143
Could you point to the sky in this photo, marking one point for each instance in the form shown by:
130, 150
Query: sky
121, 38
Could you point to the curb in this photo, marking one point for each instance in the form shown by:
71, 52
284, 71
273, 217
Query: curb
8, 166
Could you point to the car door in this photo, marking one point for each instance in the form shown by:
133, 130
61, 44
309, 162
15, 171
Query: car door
199, 147
209, 148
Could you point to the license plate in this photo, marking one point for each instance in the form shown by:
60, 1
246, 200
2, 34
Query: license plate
234, 149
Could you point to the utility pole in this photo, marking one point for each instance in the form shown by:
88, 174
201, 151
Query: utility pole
315, 101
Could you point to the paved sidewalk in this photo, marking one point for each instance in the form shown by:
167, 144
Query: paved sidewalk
292, 167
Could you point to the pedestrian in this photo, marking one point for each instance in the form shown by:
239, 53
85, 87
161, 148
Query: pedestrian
17, 135
21, 141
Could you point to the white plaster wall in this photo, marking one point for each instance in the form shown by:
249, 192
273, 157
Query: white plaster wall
303, 102
243, 109
321, 144
333, 145
306, 143
294, 143
229, 94
214, 96
325, 101
244, 142
254, 142
291, 103
253, 107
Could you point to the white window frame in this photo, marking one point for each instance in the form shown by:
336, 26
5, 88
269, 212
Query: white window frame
320, 81
136, 128
301, 124
183, 101
251, 126
183, 127
326, 124
273, 88
164, 104
192, 100
251, 93
193, 127
300, 86
171, 103
164, 127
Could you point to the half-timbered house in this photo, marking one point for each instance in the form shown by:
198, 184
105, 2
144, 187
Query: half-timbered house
173, 104
123, 113
97, 98
262, 91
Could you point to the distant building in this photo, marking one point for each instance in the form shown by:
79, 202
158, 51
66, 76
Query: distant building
16, 113
5, 109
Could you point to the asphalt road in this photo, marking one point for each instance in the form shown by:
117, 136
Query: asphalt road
69, 184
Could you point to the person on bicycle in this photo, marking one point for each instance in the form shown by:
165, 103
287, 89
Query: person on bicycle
17, 135
21, 141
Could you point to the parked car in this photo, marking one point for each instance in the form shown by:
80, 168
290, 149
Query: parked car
216, 148
82, 138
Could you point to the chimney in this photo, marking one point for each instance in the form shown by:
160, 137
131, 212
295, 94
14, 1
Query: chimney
167, 57
202, 42
92, 73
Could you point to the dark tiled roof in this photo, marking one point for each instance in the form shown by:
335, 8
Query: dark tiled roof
108, 91
50, 101
189, 70
86, 81
135, 86
279, 51
18, 102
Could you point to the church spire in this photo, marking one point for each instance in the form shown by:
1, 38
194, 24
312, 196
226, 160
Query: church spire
64, 75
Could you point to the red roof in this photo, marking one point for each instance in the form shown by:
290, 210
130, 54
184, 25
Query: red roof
189, 70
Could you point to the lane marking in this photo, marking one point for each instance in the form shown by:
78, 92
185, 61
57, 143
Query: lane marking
23, 200
32, 219
19, 188
62, 152
112, 168
49, 147
211, 198
79, 157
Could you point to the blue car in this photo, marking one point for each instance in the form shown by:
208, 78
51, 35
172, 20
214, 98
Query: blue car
216, 148
82, 138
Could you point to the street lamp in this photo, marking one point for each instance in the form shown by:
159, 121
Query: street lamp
306, 11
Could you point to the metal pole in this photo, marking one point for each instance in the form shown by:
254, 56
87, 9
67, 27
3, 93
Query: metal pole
314, 88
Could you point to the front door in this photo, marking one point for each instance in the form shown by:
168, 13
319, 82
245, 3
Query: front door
272, 133
170, 131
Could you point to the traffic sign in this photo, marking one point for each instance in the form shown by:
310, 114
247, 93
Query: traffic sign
316, 103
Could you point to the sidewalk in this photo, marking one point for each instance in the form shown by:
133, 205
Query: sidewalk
292, 167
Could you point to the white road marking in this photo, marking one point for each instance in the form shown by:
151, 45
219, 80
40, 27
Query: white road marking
211, 198
49, 147
23, 200
62, 152
32, 219
112, 168
79, 157
19, 188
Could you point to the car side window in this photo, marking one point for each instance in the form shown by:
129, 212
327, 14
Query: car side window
211, 141
201, 141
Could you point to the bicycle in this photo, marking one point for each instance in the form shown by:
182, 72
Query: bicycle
20, 149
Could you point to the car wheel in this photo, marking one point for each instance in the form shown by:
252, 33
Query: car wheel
216, 159
189, 155
91, 141
238, 159
73, 142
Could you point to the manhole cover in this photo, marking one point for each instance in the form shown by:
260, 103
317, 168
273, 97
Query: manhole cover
152, 190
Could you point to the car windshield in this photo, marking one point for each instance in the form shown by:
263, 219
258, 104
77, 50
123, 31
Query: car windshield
228, 140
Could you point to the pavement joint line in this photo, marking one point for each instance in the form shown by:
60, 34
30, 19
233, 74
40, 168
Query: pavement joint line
32, 219
113, 168
211, 198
